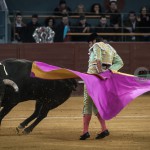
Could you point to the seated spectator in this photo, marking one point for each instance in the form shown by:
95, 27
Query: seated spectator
31, 26
113, 13
116, 29
80, 10
81, 27
62, 9
62, 29
50, 22
103, 27
18, 30
144, 23
131, 26
96, 9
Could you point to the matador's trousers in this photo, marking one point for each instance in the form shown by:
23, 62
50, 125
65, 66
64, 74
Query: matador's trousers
89, 106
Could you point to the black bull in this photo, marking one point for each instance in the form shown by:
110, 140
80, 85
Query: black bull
17, 86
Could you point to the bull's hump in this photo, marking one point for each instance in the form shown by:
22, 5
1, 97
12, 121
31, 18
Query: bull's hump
13, 60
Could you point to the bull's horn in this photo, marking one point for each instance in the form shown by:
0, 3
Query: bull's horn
11, 83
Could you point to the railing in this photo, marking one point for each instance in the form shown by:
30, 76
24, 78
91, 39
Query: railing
111, 34
123, 37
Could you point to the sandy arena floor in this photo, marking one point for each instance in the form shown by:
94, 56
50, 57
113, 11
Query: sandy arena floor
130, 130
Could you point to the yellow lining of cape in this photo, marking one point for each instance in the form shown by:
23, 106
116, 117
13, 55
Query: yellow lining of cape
122, 73
54, 74
61, 73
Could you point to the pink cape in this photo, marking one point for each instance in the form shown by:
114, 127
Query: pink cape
110, 91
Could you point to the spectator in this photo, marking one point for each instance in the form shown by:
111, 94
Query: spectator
103, 27
96, 9
82, 27
18, 29
31, 26
144, 23
50, 22
62, 29
62, 8
80, 10
113, 13
131, 26
116, 29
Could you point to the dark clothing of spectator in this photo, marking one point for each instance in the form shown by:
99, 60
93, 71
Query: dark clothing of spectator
30, 30
116, 38
103, 29
82, 26
59, 12
59, 33
144, 24
79, 28
18, 30
115, 17
144, 27
62, 9
18, 33
131, 28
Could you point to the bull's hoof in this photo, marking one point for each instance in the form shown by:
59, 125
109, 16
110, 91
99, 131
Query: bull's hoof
26, 131
19, 129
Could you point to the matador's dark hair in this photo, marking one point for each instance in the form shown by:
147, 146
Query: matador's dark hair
94, 36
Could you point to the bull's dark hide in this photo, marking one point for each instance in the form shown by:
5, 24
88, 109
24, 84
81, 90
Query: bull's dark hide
48, 93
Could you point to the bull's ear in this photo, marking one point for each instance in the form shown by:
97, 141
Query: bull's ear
11, 83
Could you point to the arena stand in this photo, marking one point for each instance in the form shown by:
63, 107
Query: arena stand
46, 8
72, 55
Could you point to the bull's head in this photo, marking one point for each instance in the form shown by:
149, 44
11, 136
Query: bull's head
4, 81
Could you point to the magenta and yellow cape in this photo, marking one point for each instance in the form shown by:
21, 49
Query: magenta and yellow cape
110, 91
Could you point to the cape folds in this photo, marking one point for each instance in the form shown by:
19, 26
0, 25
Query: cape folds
110, 91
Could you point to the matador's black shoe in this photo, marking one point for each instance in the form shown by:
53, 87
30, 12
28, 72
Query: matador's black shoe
102, 134
85, 136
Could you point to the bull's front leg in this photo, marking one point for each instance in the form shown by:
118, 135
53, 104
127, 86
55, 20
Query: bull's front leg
35, 114
42, 114
5, 110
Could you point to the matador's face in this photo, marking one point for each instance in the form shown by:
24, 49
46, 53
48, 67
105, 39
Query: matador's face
91, 43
